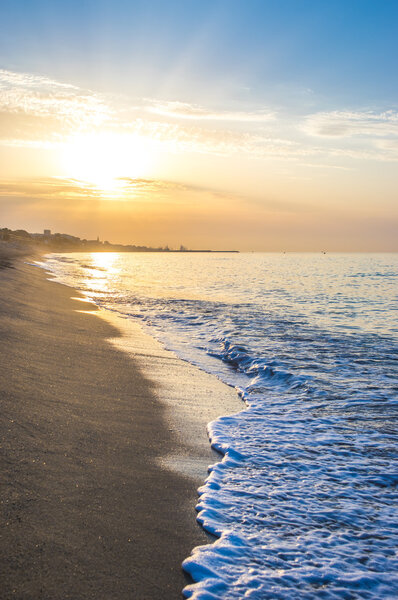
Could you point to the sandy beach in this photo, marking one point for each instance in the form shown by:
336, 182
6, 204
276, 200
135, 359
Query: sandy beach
97, 492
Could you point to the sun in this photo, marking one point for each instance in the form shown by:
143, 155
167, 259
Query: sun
101, 159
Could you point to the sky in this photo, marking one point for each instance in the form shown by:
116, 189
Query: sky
257, 125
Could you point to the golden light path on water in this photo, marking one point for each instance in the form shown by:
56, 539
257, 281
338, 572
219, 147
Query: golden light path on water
104, 266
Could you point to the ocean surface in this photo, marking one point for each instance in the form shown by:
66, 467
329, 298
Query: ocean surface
305, 500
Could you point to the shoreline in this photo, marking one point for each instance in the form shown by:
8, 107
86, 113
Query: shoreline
101, 468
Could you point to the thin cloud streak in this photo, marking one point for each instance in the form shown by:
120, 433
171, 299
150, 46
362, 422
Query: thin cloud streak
343, 124
126, 189
26, 80
184, 110
138, 189
221, 142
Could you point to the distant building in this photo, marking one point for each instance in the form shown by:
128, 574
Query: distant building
47, 232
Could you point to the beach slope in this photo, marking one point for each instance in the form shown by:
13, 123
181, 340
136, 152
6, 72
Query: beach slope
88, 510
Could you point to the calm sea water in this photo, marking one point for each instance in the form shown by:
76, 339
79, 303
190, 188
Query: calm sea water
304, 502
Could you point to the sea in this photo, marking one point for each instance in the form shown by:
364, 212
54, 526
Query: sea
303, 502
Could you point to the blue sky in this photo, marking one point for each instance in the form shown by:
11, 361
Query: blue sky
344, 52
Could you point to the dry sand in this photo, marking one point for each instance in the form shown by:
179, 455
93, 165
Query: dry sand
98, 481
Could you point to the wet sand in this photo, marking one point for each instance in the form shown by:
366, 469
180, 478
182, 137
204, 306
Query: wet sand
99, 478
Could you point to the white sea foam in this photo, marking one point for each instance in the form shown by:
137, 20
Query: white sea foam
304, 500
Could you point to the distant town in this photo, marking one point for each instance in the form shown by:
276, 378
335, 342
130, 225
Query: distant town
63, 242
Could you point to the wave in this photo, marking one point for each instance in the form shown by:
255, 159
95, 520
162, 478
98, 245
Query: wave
303, 500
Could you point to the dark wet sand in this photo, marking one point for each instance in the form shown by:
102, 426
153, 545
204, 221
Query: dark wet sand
87, 512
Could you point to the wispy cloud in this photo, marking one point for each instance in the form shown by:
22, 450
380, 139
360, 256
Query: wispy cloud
48, 188
36, 111
140, 192
162, 187
356, 135
125, 188
25, 80
350, 123
41, 97
39, 112
143, 194
194, 112
177, 137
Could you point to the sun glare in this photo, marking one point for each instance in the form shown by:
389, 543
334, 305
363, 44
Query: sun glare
102, 159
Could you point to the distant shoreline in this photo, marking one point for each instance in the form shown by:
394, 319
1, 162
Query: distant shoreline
63, 242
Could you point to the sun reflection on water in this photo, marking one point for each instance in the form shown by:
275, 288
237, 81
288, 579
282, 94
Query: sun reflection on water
101, 270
